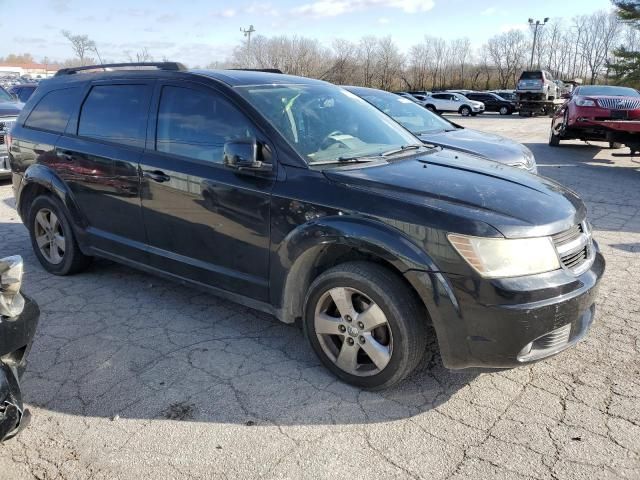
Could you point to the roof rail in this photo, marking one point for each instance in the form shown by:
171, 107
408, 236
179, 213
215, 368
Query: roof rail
174, 66
265, 70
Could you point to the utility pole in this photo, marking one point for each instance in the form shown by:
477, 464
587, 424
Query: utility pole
534, 26
247, 33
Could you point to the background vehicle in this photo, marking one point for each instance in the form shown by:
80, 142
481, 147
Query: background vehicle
453, 102
23, 91
509, 95
536, 85
599, 112
9, 110
18, 320
413, 98
436, 130
493, 102
320, 208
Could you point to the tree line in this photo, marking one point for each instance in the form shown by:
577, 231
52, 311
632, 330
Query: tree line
584, 47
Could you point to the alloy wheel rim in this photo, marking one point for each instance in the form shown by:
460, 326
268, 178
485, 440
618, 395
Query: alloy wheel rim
50, 236
353, 331
465, 112
504, 110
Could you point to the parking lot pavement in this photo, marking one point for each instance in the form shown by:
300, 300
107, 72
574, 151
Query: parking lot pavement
135, 377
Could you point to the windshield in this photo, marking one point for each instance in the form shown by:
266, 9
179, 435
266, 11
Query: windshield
411, 116
5, 96
607, 90
324, 123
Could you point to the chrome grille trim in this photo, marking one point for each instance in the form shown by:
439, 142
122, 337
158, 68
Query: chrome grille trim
575, 248
619, 103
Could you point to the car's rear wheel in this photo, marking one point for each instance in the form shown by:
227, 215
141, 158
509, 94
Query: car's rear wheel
465, 111
365, 324
504, 111
52, 238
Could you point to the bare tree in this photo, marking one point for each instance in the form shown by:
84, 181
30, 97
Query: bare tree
389, 63
366, 59
508, 53
81, 45
460, 53
599, 34
140, 57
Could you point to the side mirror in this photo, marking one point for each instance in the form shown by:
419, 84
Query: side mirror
243, 155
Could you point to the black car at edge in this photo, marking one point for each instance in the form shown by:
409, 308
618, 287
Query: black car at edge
298, 198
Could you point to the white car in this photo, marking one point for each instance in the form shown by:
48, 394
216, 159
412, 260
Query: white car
453, 102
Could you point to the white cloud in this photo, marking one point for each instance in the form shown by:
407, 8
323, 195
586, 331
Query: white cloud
383, 20
228, 13
333, 8
489, 11
506, 27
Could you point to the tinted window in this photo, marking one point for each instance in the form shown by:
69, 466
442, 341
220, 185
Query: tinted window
440, 96
25, 92
197, 124
531, 76
53, 110
117, 113
5, 96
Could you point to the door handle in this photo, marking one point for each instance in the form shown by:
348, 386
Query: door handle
156, 175
64, 155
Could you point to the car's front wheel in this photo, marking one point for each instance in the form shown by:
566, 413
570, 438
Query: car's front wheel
52, 238
504, 111
365, 324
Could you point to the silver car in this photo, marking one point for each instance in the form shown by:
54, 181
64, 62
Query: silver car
9, 110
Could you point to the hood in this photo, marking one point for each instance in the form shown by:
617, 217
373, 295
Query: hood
10, 109
512, 201
487, 145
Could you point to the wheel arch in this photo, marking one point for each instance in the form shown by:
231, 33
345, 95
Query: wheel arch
312, 248
41, 180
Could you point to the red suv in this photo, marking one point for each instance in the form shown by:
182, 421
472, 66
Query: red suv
599, 112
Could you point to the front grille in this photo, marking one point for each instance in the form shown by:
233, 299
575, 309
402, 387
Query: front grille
573, 247
619, 103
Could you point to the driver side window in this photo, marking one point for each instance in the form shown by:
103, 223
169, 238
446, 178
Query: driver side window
197, 124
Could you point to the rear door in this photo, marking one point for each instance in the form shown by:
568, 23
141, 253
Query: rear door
98, 158
204, 221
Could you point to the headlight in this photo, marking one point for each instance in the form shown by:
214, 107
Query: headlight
501, 257
11, 302
585, 102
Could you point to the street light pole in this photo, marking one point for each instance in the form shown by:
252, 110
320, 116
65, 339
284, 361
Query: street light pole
535, 26
247, 33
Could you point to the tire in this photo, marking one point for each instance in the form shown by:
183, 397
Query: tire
615, 145
55, 247
431, 108
554, 140
464, 111
505, 111
398, 342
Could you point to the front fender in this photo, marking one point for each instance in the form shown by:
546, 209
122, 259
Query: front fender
298, 253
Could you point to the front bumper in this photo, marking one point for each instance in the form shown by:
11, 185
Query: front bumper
508, 322
16, 337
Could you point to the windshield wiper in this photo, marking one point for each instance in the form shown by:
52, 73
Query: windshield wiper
403, 148
344, 160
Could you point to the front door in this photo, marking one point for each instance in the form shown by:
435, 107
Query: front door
204, 221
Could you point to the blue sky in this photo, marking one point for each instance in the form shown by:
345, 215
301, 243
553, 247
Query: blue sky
201, 31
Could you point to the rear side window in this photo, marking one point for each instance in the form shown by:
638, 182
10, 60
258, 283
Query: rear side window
196, 124
53, 110
116, 113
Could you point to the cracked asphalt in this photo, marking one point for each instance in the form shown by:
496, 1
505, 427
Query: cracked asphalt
131, 376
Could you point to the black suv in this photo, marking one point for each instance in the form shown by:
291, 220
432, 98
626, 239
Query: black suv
298, 198
493, 102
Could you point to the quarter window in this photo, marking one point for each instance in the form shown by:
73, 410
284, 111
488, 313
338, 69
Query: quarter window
197, 124
116, 113
53, 110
